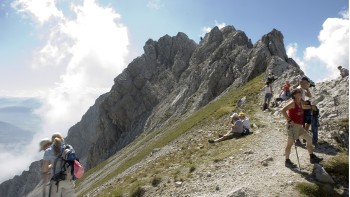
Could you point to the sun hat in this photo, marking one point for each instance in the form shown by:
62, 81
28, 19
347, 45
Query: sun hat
234, 115
43, 142
241, 114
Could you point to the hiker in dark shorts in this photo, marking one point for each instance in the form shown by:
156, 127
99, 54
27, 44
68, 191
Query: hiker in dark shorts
293, 113
236, 129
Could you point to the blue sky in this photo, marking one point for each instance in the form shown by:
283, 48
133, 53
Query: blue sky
67, 52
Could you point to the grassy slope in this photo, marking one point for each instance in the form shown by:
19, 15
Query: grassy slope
213, 112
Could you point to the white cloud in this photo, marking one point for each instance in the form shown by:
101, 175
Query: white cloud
333, 50
208, 29
334, 46
41, 10
92, 48
155, 4
291, 51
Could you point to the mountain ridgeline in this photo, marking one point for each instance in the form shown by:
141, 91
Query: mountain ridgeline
173, 78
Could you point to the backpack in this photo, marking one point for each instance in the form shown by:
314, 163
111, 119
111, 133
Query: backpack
70, 167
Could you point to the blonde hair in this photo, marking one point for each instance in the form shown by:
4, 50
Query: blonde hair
57, 144
57, 140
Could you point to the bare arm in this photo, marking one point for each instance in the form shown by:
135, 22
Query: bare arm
286, 108
45, 171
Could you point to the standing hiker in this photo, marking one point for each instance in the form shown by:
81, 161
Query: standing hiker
293, 113
268, 95
61, 184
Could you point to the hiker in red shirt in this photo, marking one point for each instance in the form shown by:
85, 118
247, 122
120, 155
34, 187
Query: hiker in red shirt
293, 113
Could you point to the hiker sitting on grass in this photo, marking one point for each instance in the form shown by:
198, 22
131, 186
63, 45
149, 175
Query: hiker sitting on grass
236, 129
246, 123
293, 113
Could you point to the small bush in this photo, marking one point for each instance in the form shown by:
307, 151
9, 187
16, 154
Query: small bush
338, 165
192, 169
316, 190
156, 181
138, 192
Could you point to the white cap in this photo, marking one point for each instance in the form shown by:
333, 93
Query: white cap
43, 142
234, 115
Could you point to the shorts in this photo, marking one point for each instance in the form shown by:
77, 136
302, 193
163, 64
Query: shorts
268, 96
296, 130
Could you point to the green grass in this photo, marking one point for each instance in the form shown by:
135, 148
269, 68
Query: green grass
307, 189
214, 111
338, 165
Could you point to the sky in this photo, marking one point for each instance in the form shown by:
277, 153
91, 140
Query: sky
68, 52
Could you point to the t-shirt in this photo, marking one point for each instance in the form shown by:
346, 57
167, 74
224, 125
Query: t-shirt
238, 127
286, 87
246, 123
268, 89
50, 156
296, 113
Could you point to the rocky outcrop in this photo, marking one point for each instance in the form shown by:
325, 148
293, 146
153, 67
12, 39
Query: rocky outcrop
174, 77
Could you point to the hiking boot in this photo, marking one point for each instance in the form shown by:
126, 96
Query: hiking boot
211, 141
298, 143
289, 164
315, 159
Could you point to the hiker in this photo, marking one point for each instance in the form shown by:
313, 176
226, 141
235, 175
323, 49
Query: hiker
286, 90
304, 86
236, 129
65, 186
271, 78
293, 113
268, 95
246, 123
343, 71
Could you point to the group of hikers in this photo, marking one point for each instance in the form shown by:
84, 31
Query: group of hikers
57, 173
239, 124
298, 112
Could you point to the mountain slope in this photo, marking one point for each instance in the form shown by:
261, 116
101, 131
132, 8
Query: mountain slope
174, 88
188, 166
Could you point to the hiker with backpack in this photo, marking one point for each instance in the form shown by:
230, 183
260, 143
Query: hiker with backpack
236, 129
56, 171
293, 113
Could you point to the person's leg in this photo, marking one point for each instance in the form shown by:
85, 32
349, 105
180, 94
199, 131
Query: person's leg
313, 157
288, 148
225, 137
68, 189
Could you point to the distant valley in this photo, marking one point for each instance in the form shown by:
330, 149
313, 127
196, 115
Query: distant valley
17, 119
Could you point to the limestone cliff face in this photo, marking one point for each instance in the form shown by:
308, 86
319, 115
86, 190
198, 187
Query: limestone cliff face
174, 77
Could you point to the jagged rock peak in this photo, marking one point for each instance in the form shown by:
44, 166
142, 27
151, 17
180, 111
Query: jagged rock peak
274, 41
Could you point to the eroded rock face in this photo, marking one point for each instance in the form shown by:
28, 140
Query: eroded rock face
176, 76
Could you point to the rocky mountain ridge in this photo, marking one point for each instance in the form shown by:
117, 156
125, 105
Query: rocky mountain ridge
173, 78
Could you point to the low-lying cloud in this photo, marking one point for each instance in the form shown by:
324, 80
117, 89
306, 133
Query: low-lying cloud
90, 44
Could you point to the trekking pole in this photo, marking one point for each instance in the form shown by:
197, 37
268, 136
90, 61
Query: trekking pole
296, 150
